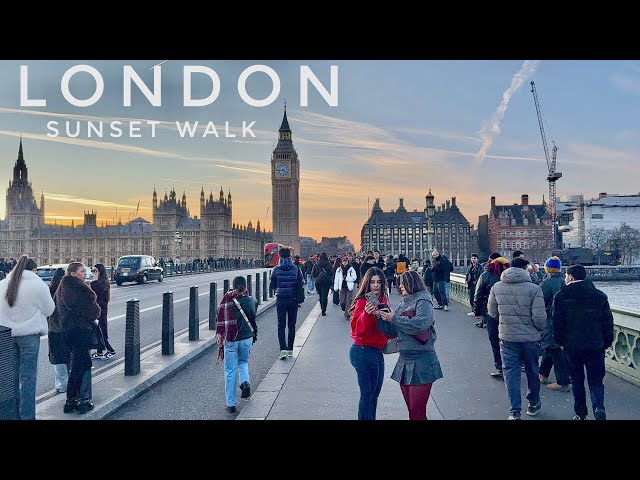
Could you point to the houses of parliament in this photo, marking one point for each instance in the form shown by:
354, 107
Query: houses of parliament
212, 233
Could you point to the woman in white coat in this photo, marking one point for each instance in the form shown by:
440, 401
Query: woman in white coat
25, 304
344, 282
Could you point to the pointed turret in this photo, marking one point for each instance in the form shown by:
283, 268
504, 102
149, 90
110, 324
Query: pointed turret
221, 195
166, 198
258, 226
284, 134
155, 197
184, 199
42, 206
211, 196
229, 199
202, 197
20, 172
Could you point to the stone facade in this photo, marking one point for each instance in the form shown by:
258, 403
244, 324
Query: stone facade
521, 227
212, 234
285, 184
401, 231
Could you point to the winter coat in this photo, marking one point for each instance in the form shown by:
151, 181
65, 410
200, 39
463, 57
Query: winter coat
318, 268
441, 268
286, 279
101, 297
473, 274
76, 304
308, 267
518, 304
404, 327
249, 307
28, 316
483, 287
550, 286
351, 279
582, 317
59, 352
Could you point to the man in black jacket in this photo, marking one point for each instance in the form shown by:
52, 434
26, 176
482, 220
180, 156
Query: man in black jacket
286, 279
473, 274
583, 325
440, 269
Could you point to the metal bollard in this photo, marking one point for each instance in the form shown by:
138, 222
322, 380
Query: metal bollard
167, 323
7, 395
258, 287
225, 287
264, 287
249, 286
132, 338
213, 305
194, 317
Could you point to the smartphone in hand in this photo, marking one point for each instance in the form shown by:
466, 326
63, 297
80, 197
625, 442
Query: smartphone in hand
373, 298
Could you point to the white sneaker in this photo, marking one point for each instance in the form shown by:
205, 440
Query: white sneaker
471, 314
283, 354
446, 308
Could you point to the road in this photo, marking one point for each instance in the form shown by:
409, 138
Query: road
150, 297
196, 392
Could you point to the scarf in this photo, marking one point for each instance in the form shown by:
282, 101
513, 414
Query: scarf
497, 266
226, 321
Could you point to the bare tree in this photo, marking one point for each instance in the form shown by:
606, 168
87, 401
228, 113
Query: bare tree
597, 239
627, 240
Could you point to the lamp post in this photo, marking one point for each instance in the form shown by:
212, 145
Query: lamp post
430, 212
178, 239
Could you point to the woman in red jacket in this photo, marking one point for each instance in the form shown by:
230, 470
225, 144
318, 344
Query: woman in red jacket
366, 352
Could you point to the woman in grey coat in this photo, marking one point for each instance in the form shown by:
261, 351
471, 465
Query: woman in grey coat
413, 323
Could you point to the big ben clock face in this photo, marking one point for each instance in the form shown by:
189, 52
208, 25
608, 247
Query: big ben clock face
282, 169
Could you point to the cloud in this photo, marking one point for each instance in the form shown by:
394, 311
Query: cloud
491, 129
626, 82
61, 197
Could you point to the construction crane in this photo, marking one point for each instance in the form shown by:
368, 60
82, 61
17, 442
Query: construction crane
553, 176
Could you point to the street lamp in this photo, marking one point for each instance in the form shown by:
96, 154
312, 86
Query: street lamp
430, 212
178, 239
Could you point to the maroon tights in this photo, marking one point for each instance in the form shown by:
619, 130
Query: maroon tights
416, 398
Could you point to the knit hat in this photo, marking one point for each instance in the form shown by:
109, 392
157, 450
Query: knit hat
552, 264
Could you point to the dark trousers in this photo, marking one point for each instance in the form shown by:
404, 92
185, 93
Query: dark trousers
429, 286
369, 365
492, 331
441, 293
554, 357
391, 282
472, 293
287, 309
593, 361
102, 323
79, 342
323, 291
416, 398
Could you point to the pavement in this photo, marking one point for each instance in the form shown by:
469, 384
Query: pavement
319, 383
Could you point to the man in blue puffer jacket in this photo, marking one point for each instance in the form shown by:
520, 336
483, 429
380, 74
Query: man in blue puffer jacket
286, 278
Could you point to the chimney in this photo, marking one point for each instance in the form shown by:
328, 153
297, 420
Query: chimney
453, 201
525, 199
493, 202
448, 204
602, 195
401, 202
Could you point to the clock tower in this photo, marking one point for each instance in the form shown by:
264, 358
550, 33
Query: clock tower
285, 189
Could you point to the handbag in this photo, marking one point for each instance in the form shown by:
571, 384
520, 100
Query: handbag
336, 297
244, 315
97, 340
421, 337
323, 278
391, 346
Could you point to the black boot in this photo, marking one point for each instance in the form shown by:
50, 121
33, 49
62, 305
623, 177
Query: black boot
70, 406
85, 407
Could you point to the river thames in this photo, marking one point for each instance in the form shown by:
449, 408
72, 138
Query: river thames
624, 294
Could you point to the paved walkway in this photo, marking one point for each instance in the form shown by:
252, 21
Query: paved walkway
319, 383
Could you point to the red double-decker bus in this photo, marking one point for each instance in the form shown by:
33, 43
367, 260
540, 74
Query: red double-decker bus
272, 254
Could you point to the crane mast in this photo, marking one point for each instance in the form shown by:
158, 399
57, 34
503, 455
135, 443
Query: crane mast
552, 176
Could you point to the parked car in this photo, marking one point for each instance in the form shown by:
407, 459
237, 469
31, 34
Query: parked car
137, 268
46, 272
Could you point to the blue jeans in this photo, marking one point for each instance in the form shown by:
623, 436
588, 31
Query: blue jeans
236, 361
287, 309
369, 365
441, 293
62, 377
311, 288
593, 361
513, 355
25, 373
447, 288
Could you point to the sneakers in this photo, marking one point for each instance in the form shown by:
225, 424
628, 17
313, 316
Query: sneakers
479, 324
544, 380
324, 314
578, 417
471, 314
600, 414
438, 307
559, 388
110, 354
98, 356
446, 308
85, 407
290, 353
532, 410
283, 354
246, 390
497, 373
231, 409
514, 417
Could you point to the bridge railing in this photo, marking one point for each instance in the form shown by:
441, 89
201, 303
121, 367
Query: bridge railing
622, 358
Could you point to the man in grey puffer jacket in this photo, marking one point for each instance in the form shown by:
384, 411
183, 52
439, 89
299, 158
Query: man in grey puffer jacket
518, 304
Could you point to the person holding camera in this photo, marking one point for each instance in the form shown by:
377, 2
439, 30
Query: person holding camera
413, 323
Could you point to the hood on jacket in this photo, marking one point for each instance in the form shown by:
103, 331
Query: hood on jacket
583, 289
515, 275
286, 263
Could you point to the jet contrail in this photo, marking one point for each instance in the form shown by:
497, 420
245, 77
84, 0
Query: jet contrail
158, 64
490, 129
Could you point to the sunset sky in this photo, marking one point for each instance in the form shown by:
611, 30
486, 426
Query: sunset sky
462, 128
